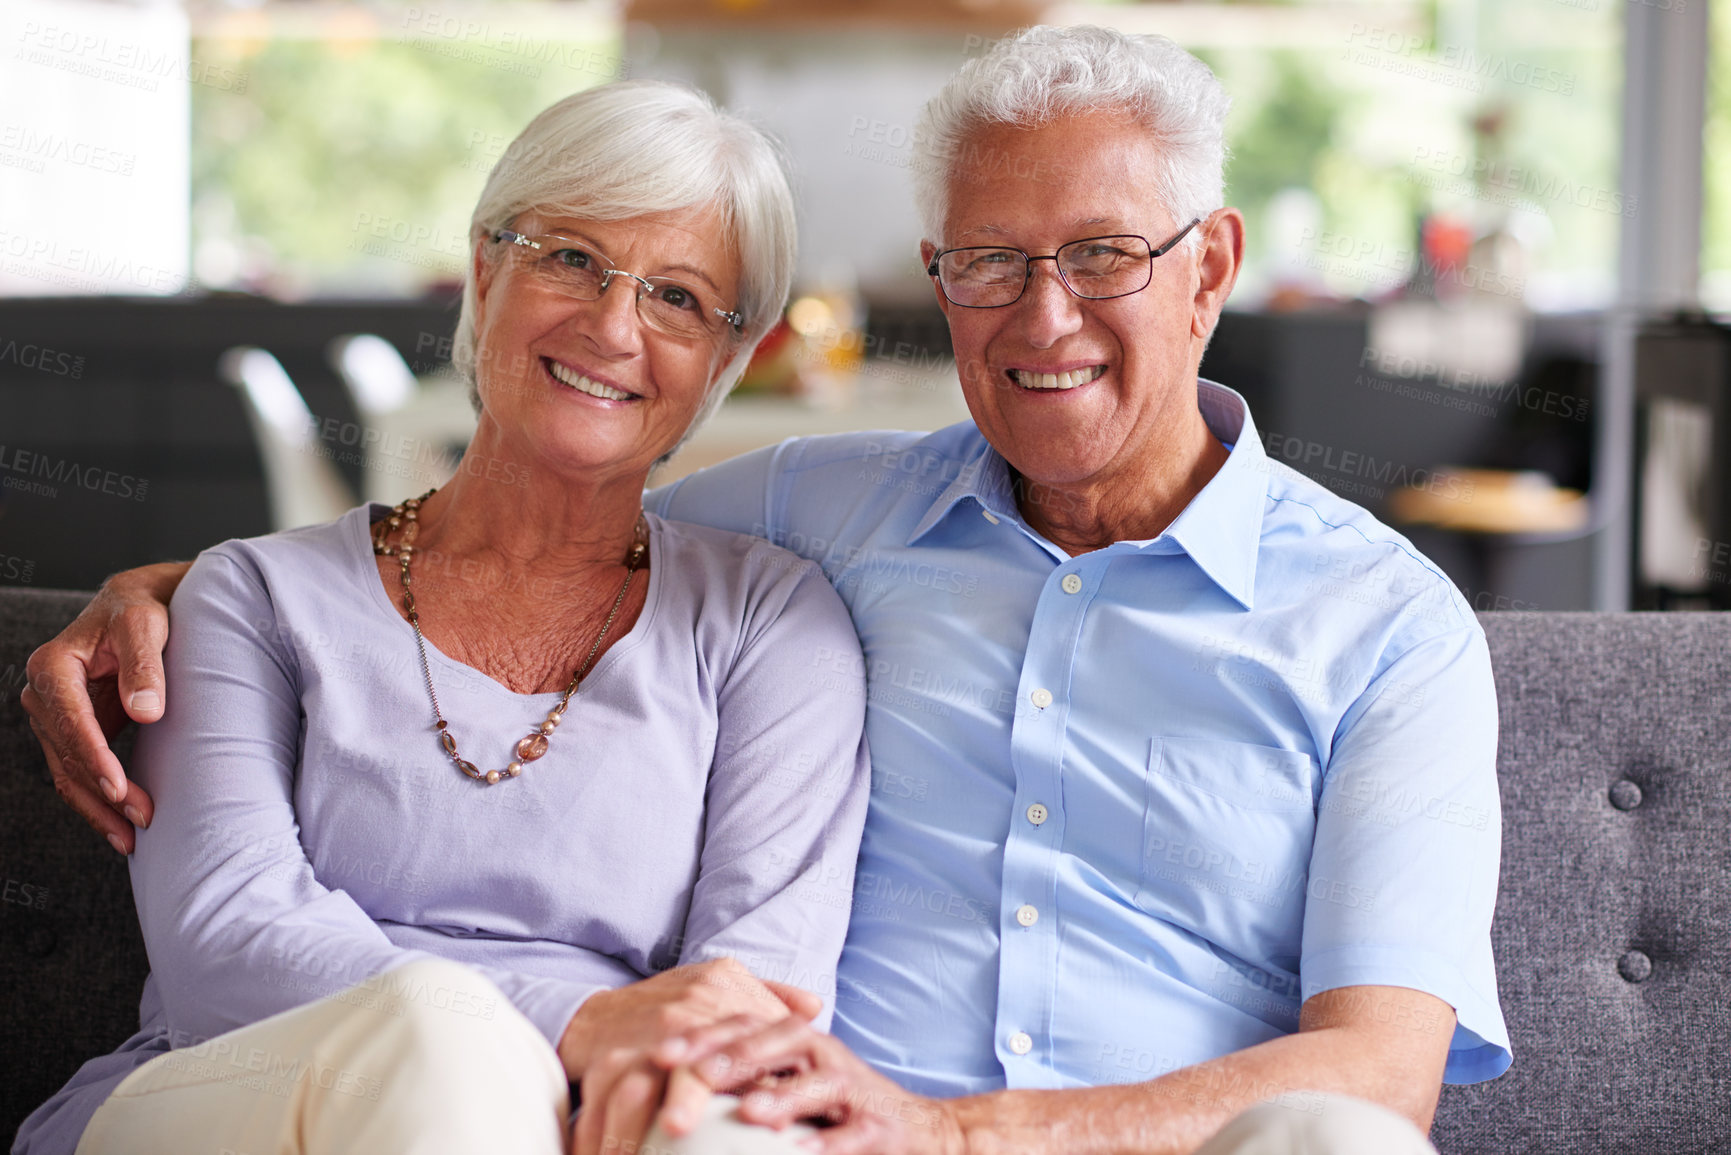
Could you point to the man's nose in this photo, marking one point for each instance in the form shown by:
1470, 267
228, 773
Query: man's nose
1049, 310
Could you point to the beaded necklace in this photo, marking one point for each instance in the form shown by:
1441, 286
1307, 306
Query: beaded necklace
406, 517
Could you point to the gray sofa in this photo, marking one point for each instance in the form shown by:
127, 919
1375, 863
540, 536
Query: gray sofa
1613, 929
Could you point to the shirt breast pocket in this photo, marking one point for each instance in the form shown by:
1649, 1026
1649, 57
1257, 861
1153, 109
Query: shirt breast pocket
1226, 838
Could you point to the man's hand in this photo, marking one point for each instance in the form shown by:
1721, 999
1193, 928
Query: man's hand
607, 1046
786, 1072
104, 668
1385, 1044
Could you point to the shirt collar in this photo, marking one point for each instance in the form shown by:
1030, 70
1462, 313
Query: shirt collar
1221, 528
983, 476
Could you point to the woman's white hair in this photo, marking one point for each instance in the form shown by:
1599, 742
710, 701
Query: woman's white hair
1042, 74
647, 146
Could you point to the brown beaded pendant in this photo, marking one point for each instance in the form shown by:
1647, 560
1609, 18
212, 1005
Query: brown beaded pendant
532, 746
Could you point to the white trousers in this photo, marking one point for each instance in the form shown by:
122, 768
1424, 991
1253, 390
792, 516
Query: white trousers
430, 1059
1328, 1125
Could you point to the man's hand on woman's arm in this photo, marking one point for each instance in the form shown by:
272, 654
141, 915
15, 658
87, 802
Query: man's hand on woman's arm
608, 1044
104, 668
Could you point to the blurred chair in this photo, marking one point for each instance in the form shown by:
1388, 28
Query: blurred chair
1682, 464
378, 378
304, 485
412, 433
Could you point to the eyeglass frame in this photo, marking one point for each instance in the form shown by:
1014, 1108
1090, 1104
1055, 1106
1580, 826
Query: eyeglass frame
1154, 253
508, 236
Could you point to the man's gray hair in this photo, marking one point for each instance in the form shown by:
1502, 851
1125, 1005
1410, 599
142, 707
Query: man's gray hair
1042, 74
646, 146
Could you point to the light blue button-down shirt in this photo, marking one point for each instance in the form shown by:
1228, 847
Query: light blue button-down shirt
1130, 809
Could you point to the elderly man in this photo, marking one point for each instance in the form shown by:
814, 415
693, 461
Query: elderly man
1184, 793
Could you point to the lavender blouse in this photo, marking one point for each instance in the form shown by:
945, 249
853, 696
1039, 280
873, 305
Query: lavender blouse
703, 796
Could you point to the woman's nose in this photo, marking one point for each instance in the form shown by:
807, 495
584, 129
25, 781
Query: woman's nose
615, 326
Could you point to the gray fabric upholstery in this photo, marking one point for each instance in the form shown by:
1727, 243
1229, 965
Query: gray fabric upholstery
1613, 929
71, 959
1613, 924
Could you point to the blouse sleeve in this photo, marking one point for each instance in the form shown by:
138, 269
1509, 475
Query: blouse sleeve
235, 922
787, 791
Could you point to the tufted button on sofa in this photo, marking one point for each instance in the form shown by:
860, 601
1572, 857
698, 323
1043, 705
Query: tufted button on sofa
1613, 923
1612, 932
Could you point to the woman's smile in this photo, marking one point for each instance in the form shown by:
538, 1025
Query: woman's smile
587, 383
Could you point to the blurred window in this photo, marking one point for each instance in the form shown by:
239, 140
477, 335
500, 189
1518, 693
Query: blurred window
349, 160
1716, 196
337, 149
1468, 145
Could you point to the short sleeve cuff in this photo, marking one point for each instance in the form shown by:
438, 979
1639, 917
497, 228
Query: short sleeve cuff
1479, 1049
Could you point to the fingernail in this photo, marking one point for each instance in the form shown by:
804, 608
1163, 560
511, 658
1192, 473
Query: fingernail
109, 790
145, 700
672, 1049
133, 815
119, 846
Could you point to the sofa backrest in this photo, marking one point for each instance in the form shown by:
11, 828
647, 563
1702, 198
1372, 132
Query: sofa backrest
1613, 923
1612, 932
71, 959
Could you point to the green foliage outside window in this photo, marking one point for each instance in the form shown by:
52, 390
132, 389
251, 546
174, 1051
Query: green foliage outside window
351, 166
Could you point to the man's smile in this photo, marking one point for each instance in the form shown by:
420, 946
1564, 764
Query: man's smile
1030, 379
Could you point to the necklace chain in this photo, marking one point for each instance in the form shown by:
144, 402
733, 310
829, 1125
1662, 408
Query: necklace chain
407, 518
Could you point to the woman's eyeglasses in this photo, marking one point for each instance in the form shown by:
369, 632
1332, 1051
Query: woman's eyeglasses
573, 269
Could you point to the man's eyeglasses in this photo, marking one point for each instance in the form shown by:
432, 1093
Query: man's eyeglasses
573, 269
989, 277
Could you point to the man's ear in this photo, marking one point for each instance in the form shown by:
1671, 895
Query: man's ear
927, 252
1217, 271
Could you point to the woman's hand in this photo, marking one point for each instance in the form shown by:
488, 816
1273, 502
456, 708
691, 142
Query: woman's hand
786, 1071
104, 668
608, 1043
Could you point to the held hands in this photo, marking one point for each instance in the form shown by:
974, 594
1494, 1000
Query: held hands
608, 1044
104, 668
786, 1071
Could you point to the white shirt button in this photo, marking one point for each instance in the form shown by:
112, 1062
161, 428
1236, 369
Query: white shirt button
1072, 584
1037, 814
989, 516
1041, 698
1027, 915
1021, 1043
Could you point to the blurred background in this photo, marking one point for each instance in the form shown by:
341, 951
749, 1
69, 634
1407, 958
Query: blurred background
1488, 242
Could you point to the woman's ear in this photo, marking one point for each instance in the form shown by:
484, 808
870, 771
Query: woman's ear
483, 270
736, 345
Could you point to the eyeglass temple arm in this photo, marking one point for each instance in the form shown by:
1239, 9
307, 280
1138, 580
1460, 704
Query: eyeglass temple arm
1178, 236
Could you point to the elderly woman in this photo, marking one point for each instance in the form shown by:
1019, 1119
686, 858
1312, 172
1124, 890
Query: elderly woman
466, 801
